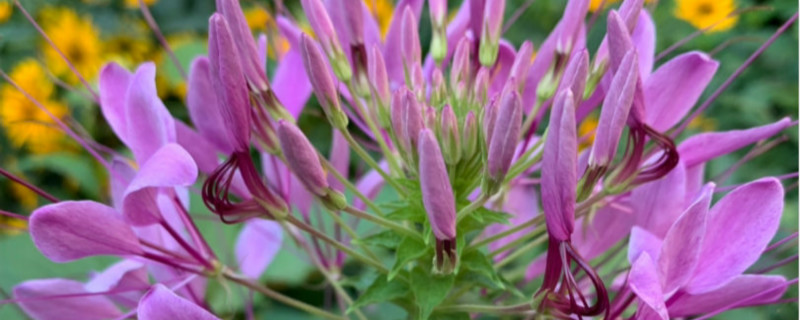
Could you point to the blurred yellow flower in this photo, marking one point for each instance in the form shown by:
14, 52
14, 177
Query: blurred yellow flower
587, 131
703, 123
258, 18
10, 226
25, 124
382, 10
77, 38
6, 9
27, 198
595, 4
135, 3
704, 13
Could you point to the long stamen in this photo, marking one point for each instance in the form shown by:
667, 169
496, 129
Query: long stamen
160, 36
28, 185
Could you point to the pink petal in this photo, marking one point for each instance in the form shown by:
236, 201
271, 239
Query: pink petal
521, 202
161, 303
706, 146
201, 100
202, 151
339, 158
672, 90
641, 242
392, 52
123, 275
258, 243
71, 230
645, 283
742, 291
740, 227
290, 82
149, 124
171, 166
680, 252
607, 227
659, 203
35, 299
113, 86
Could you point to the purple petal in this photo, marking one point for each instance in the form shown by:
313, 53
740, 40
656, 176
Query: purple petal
706, 146
672, 90
171, 166
123, 275
607, 227
370, 185
202, 151
71, 230
228, 78
290, 82
559, 169
740, 227
149, 124
339, 158
614, 113
502, 67
437, 194
122, 175
113, 85
161, 303
644, 39
659, 203
33, 296
641, 242
521, 202
392, 52
680, 252
645, 283
742, 291
201, 100
258, 243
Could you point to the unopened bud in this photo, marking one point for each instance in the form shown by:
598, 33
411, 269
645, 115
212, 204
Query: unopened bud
481, 93
438, 88
438, 10
450, 136
323, 28
334, 200
380, 84
437, 194
322, 83
504, 139
489, 117
302, 158
460, 72
522, 63
409, 40
469, 136
490, 34
406, 120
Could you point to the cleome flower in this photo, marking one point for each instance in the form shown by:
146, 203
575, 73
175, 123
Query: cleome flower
494, 207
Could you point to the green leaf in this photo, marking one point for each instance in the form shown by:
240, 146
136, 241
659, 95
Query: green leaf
492, 216
429, 290
387, 239
381, 290
477, 262
73, 166
451, 316
409, 249
408, 213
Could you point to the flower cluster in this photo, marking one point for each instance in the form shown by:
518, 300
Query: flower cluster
471, 140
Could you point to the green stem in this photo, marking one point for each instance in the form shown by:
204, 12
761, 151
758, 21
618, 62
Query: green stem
522, 250
371, 162
338, 245
490, 309
347, 184
534, 221
280, 297
381, 221
518, 241
472, 206
387, 153
353, 235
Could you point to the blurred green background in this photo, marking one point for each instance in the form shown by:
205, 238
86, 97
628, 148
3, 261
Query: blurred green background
92, 32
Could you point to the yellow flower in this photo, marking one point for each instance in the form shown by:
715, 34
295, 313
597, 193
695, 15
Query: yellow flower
382, 10
6, 9
258, 18
135, 3
703, 123
10, 226
27, 198
595, 4
24, 123
705, 13
587, 131
77, 38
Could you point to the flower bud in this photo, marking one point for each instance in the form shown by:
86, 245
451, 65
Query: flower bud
323, 28
469, 136
438, 88
430, 118
460, 72
227, 76
437, 198
522, 63
559, 168
450, 136
489, 117
253, 67
380, 84
504, 139
406, 120
302, 158
354, 26
575, 74
409, 40
417, 82
438, 10
490, 33
322, 82
481, 93
616, 106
